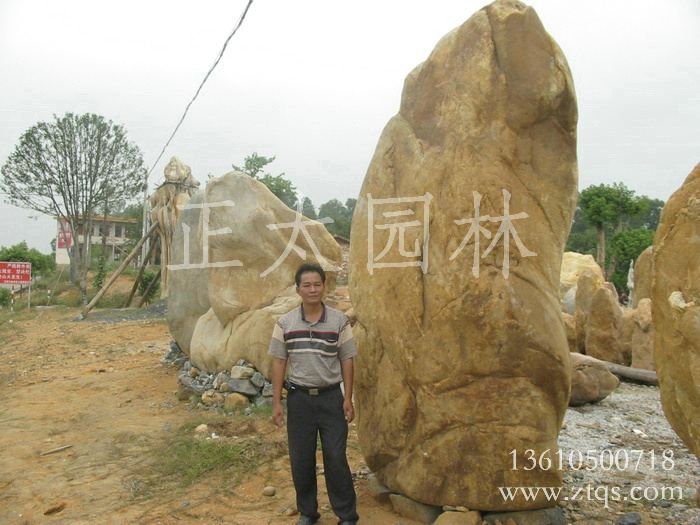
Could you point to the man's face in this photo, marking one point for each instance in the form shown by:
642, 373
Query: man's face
311, 288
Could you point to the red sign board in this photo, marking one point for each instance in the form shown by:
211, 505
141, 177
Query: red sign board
15, 272
65, 235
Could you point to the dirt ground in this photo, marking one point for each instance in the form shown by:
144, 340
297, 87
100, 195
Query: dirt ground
100, 390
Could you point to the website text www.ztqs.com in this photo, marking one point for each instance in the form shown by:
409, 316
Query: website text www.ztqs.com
604, 493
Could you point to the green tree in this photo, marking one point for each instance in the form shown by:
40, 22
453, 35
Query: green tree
146, 279
625, 247
133, 211
5, 297
341, 215
307, 209
99, 279
70, 167
350, 205
606, 206
253, 164
41, 264
650, 218
281, 187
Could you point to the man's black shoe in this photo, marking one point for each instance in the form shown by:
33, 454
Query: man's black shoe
307, 520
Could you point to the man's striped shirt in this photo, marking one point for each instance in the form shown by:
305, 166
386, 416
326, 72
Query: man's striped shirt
314, 350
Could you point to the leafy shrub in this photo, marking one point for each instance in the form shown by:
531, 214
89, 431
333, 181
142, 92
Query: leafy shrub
99, 280
5, 296
146, 279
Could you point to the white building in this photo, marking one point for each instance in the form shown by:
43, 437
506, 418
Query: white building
116, 230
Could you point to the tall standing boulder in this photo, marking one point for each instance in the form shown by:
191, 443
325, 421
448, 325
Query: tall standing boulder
675, 300
604, 328
463, 362
643, 276
638, 335
166, 206
188, 299
588, 284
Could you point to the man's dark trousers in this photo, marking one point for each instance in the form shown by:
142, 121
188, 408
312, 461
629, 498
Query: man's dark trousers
307, 416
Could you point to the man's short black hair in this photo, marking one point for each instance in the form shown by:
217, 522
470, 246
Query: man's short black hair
307, 268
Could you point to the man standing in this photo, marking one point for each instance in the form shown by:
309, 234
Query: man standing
317, 342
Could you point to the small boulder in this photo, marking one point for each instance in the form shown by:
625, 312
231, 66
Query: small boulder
235, 401
414, 510
212, 398
459, 518
242, 372
591, 381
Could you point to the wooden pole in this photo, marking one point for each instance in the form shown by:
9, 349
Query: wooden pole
154, 243
150, 287
647, 377
124, 264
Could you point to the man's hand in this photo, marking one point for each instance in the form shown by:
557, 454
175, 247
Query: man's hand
349, 410
278, 415
279, 366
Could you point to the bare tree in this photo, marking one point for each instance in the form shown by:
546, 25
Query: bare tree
70, 168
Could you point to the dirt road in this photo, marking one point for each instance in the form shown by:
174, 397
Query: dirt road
100, 390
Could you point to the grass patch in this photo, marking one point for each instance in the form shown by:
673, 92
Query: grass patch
187, 458
78, 340
6, 379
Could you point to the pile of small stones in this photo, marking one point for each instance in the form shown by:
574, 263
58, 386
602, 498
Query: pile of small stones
231, 390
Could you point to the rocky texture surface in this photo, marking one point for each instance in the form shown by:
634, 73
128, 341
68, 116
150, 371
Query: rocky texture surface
604, 328
676, 309
572, 265
249, 273
586, 287
570, 325
638, 335
643, 276
188, 298
458, 370
591, 381
166, 203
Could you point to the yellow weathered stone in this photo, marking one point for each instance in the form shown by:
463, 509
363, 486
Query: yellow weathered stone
456, 371
675, 302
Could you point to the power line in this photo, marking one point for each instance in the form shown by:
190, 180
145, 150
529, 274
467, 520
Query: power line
211, 69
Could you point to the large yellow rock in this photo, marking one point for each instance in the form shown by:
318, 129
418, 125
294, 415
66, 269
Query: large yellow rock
604, 328
572, 266
643, 276
188, 299
248, 280
467, 362
638, 335
588, 284
675, 302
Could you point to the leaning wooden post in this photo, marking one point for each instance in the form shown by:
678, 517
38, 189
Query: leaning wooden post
648, 377
117, 273
141, 270
150, 287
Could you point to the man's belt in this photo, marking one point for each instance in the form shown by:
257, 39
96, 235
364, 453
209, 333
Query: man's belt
312, 391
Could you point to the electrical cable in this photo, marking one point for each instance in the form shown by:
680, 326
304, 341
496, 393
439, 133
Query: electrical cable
211, 69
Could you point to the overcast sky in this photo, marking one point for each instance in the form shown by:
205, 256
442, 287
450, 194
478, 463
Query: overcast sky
314, 82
